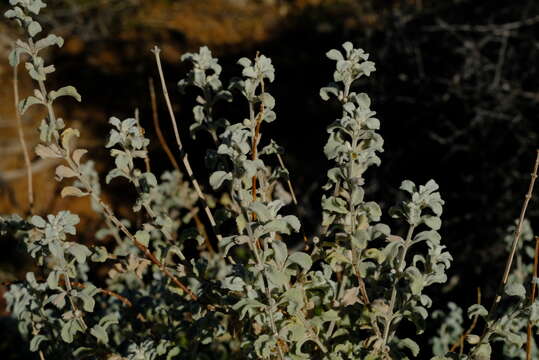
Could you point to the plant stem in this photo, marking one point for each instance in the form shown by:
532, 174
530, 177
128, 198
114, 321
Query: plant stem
256, 139
183, 154
22, 141
514, 246
470, 329
157, 127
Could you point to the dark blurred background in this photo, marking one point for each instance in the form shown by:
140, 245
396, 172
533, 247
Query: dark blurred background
456, 90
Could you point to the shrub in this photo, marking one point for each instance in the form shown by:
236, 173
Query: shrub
344, 295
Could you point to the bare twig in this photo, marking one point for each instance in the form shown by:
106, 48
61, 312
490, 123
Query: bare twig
123, 299
199, 224
36, 166
532, 299
23, 143
501, 60
183, 153
256, 139
499, 29
514, 246
79, 285
460, 341
158, 131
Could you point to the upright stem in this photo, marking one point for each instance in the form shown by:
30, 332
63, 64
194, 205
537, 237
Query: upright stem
255, 139
183, 154
73, 305
158, 131
518, 231
22, 141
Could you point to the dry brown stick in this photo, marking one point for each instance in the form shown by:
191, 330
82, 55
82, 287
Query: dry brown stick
79, 285
460, 341
199, 224
255, 141
157, 127
144, 249
183, 153
514, 246
532, 299
23, 142
123, 299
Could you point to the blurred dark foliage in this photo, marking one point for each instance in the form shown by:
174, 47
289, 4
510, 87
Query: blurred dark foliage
456, 89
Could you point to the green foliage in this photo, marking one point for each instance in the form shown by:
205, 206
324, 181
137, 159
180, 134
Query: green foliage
344, 297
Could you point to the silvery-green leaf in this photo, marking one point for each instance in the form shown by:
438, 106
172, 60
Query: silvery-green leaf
477, 310
87, 297
38, 221
14, 57
69, 329
262, 212
430, 236
434, 222
302, 259
79, 251
63, 171
267, 100
280, 252
277, 278
35, 6
26, 103
410, 345
100, 254
143, 237
78, 154
294, 297
334, 55
34, 28
100, 334
328, 90
48, 41
483, 352
36, 341
65, 91
72, 191
218, 178
245, 62
408, 186
515, 289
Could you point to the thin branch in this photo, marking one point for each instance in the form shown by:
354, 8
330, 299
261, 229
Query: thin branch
256, 140
183, 154
79, 285
158, 131
501, 60
514, 246
23, 142
111, 293
491, 28
36, 166
460, 341
532, 300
